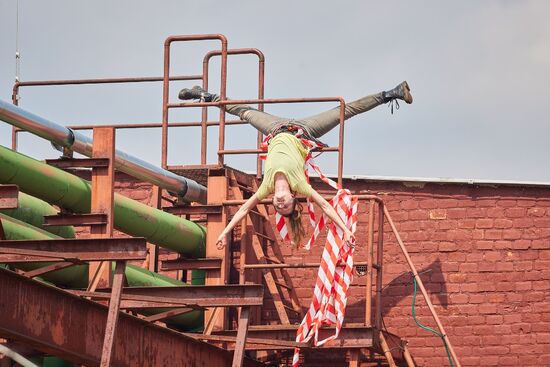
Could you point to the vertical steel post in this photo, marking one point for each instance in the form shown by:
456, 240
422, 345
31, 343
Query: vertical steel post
341, 142
379, 263
370, 254
240, 341
217, 193
102, 201
223, 97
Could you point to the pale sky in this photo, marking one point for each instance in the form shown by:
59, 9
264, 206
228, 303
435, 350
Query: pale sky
479, 73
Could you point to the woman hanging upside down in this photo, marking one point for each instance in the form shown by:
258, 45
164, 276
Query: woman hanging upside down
284, 166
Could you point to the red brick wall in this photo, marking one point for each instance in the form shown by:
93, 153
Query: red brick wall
488, 252
488, 249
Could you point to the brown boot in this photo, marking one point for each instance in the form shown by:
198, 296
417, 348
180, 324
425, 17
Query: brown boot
402, 91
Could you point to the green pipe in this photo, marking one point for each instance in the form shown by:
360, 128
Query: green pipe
77, 276
32, 211
68, 191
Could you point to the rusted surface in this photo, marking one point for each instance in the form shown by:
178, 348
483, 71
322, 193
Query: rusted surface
75, 220
232, 295
217, 192
295, 265
54, 321
102, 202
78, 162
189, 264
86, 249
351, 336
242, 332
112, 315
8, 196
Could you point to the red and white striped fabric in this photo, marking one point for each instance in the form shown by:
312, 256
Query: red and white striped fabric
334, 277
328, 304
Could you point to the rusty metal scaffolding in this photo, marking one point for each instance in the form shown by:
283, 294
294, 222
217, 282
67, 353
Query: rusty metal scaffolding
226, 188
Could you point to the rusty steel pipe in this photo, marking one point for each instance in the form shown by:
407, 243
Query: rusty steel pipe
68, 138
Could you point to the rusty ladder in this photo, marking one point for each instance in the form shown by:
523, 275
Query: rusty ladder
259, 229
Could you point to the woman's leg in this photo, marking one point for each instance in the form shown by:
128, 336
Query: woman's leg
262, 121
322, 123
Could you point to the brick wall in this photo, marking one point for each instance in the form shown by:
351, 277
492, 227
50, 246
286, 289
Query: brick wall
487, 252
484, 254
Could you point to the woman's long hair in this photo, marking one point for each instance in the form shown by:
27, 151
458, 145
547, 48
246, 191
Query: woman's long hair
295, 220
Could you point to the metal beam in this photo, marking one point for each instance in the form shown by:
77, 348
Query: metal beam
351, 336
73, 249
231, 295
65, 163
75, 219
190, 264
8, 196
56, 322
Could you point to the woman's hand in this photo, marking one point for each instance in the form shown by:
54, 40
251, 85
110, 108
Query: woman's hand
349, 238
221, 242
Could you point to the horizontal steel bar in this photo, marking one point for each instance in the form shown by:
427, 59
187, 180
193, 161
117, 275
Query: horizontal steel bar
104, 80
88, 249
255, 101
191, 264
74, 219
78, 162
147, 125
55, 322
260, 151
354, 336
231, 295
298, 265
9, 196
194, 209
302, 199
226, 338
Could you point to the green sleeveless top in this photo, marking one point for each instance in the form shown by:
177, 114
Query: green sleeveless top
285, 154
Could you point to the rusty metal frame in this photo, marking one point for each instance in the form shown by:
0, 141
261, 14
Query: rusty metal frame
190, 264
261, 88
84, 249
101, 163
284, 336
166, 85
65, 163
76, 220
75, 317
229, 295
9, 195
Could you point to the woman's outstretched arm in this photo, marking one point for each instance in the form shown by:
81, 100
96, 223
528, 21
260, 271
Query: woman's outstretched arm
331, 213
239, 215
